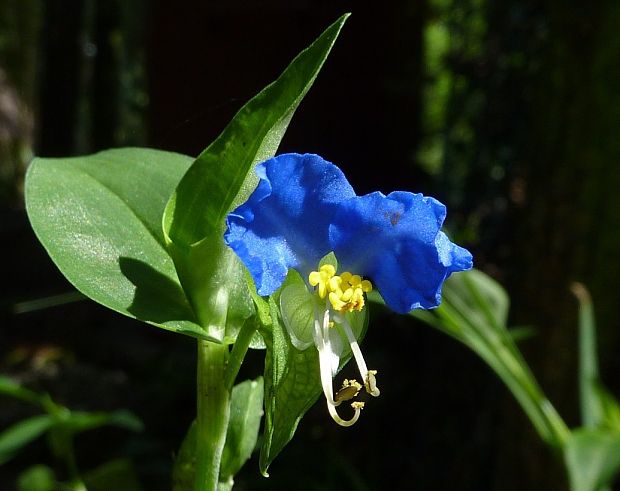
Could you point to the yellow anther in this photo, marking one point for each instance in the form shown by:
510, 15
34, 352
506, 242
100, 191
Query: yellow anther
314, 278
334, 283
355, 281
334, 299
345, 291
371, 383
357, 405
347, 294
349, 390
322, 279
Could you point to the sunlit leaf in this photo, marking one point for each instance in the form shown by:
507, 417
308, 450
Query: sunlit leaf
99, 218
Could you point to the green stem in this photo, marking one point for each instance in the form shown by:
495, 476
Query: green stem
213, 407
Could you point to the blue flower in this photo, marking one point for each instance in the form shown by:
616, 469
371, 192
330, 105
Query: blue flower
304, 208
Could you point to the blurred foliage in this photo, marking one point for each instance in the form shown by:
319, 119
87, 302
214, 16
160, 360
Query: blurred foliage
60, 425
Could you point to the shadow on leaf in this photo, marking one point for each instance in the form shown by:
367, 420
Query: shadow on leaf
157, 297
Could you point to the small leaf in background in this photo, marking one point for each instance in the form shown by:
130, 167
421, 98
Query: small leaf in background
99, 218
17, 436
246, 411
78, 421
114, 475
610, 408
592, 458
474, 310
8, 387
37, 478
589, 383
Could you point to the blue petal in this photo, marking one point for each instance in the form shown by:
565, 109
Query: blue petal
395, 240
284, 223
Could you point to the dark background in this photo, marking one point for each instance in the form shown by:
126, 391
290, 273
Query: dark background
507, 111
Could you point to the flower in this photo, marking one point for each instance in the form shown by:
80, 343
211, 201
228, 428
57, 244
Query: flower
304, 208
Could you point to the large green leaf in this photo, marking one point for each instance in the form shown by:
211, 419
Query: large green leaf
99, 218
592, 458
221, 178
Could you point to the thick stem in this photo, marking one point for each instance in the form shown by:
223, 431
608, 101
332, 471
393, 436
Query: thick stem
213, 398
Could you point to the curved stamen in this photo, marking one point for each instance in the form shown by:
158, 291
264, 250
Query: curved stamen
343, 422
324, 365
367, 377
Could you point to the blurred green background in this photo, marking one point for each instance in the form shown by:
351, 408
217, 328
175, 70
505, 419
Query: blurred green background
507, 111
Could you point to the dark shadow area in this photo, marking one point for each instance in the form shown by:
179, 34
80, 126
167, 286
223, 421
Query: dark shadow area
157, 298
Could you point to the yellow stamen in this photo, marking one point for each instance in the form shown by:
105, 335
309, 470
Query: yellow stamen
349, 390
322, 278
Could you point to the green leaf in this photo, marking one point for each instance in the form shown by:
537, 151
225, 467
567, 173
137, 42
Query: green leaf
184, 470
292, 377
14, 438
116, 474
246, 411
591, 405
221, 178
222, 172
610, 408
474, 309
10, 388
37, 478
292, 385
245, 414
297, 305
79, 421
592, 458
99, 218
